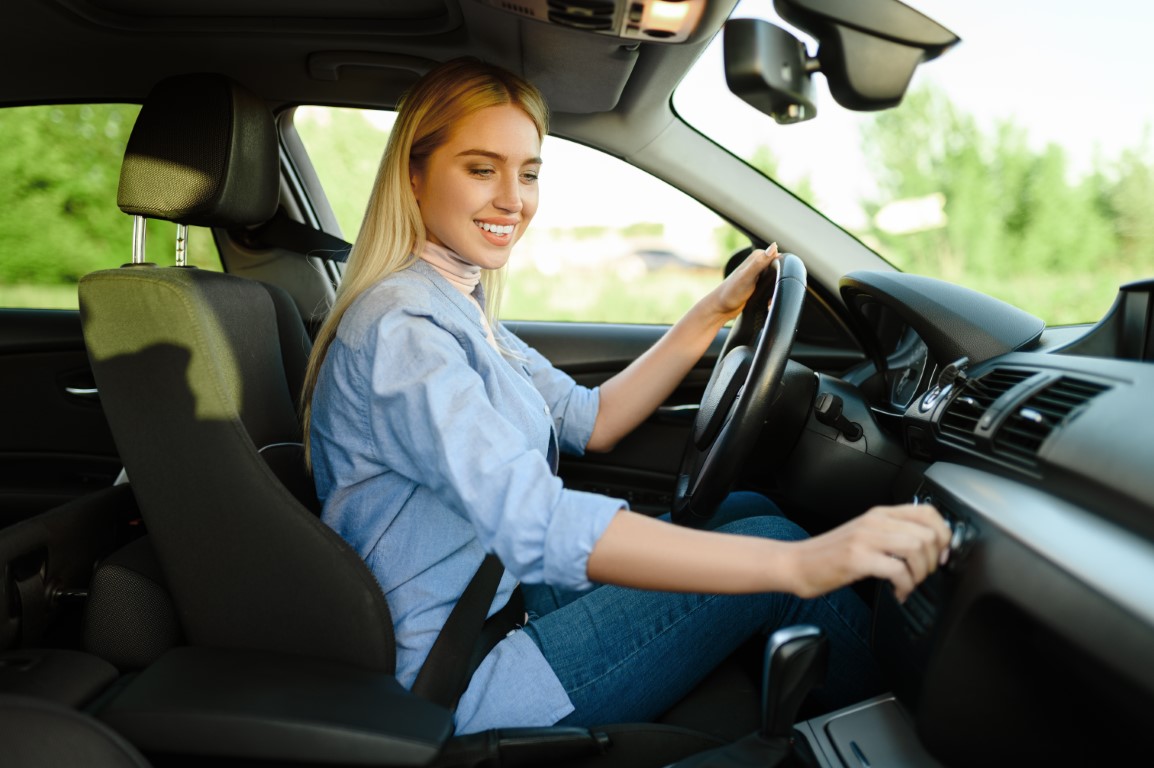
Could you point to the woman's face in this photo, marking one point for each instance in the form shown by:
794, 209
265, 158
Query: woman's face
478, 190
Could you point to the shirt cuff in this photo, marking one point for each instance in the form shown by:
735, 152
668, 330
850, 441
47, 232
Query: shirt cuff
573, 531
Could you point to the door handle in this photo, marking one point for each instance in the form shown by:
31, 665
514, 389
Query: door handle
86, 393
677, 414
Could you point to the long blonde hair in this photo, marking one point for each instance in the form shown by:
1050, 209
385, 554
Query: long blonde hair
392, 232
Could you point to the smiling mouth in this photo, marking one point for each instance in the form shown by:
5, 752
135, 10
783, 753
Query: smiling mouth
496, 229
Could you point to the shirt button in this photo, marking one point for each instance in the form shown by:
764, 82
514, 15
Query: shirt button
546, 409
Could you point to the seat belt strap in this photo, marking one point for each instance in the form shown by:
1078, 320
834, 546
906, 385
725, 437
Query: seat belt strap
283, 231
468, 636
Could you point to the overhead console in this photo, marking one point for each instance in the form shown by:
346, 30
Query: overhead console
664, 21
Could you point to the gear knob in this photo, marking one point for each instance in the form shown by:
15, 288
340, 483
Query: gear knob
795, 661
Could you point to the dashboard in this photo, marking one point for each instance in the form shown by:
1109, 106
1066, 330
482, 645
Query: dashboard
1036, 642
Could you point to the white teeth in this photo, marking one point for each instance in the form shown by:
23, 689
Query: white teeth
497, 229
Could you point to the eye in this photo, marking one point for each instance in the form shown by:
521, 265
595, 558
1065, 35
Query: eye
530, 176
483, 173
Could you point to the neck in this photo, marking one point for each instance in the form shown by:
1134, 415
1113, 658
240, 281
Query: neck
463, 275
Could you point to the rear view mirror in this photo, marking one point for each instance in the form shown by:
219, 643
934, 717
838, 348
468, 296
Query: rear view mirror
867, 50
768, 68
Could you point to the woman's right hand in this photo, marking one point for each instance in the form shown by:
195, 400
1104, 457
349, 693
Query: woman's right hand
902, 544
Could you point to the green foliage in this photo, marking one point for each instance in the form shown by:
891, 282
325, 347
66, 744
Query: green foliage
1018, 222
59, 173
1016, 218
643, 229
58, 177
729, 240
765, 161
589, 232
603, 296
345, 146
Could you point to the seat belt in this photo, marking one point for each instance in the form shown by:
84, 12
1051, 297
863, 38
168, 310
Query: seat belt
468, 636
283, 231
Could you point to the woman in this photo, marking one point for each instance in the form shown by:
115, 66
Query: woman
434, 435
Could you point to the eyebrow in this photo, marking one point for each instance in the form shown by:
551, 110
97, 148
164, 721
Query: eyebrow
497, 156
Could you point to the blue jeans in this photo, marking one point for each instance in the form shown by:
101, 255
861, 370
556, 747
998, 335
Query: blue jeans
627, 655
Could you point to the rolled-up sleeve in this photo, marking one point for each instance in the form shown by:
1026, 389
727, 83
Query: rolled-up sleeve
433, 422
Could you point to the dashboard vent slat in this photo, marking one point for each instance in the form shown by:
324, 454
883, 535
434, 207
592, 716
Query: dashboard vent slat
961, 417
1030, 423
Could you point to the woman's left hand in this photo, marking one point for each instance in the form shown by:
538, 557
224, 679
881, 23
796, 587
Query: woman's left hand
736, 289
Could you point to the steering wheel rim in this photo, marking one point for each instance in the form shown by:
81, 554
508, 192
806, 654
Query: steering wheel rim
742, 389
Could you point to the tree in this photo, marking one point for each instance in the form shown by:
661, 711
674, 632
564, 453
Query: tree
60, 171
1017, 223
345, 146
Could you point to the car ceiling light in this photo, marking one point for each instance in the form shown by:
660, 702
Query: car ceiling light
664, 21
668, 15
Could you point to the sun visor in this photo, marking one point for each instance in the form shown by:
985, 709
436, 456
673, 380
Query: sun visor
595, 86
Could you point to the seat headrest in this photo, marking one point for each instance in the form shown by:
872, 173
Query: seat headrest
203, 152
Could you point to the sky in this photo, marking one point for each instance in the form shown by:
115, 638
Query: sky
1075, 73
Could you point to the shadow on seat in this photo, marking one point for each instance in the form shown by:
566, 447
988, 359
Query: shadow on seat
285, 625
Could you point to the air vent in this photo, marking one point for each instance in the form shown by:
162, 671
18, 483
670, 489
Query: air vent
965, 411
1028, 425
595, 15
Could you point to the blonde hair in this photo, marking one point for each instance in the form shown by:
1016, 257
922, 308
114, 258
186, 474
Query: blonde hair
392, 232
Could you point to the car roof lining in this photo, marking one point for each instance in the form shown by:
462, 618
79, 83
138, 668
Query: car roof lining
282, 61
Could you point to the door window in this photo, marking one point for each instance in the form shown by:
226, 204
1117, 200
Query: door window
609, 243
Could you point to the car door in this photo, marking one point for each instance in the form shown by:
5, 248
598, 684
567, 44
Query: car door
55, 444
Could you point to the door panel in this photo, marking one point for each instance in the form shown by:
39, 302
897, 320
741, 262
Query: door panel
55, 443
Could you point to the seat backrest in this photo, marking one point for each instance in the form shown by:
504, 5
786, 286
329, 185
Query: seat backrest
194, 381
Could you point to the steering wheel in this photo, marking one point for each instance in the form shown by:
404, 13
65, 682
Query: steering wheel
743, 388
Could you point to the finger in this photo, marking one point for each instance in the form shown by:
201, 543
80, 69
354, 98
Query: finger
906, 538
757, 261
896, 571
924, 515
918, 546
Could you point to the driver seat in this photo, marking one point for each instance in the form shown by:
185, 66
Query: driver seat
290, 649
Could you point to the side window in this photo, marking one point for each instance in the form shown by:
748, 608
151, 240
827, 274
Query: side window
59, 172
609, 243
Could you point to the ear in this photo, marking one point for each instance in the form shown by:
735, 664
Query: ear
416, 182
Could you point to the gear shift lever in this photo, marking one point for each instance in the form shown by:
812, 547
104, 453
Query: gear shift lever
795, 661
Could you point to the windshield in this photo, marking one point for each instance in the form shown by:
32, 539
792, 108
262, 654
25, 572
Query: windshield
1019, 163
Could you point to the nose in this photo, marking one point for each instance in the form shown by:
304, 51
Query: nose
508, 197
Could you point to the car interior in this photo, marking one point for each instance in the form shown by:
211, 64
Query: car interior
170, 596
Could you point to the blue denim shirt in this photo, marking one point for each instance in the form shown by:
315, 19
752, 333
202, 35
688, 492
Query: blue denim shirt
431, 448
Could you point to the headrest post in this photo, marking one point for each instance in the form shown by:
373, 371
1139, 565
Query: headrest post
139, 234
182, 245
